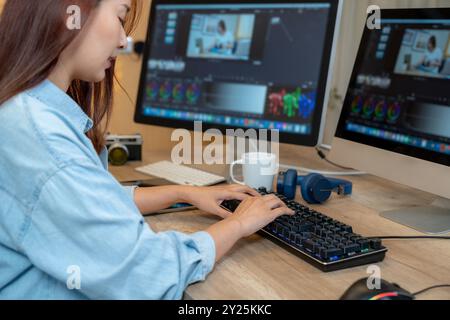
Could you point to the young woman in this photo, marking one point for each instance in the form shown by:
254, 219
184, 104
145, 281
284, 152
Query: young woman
68, 229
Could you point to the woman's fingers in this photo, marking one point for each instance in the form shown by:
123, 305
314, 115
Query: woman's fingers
222, 212
270, 197
233, 195
273, 202
250, 191
244, 189
281, 212
244, 205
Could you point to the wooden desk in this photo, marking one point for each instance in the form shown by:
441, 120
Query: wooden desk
256, 268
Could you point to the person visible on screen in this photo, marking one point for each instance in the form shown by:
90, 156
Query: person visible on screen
224, 41
432, 59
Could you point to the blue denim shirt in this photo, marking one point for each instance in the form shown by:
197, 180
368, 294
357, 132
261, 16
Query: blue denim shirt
68, 229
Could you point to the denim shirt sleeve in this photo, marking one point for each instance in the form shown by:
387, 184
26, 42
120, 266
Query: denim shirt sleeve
104, 160
130, 190
85, 219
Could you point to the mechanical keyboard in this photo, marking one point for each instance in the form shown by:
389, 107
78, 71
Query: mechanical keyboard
326, 243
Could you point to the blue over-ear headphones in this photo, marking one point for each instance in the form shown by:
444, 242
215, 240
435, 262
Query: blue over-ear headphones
315, 188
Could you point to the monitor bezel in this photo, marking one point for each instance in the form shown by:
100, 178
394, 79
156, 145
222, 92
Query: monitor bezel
324, 84
342, 133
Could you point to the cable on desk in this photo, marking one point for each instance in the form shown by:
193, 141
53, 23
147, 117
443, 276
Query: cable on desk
431, 288
417, 237
352, 172
323, 156
410, 237
325, 173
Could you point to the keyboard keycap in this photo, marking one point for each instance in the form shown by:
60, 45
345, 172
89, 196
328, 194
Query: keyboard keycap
351, 248
364, 243
309, 244
375, 244
331, 252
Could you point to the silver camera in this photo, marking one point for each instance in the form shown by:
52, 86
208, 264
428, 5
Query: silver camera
124, 148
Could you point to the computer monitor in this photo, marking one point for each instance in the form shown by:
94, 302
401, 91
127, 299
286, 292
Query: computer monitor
239, 64
395, 121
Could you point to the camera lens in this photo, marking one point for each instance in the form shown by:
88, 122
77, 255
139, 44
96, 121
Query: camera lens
118, 154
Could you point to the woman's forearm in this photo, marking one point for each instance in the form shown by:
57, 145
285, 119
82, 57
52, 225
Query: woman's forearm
225, 234
157, 198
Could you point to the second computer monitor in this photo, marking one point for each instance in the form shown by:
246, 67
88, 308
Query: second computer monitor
239, 64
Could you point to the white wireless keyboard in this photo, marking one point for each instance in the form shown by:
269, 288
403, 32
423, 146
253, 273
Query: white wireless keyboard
180, 174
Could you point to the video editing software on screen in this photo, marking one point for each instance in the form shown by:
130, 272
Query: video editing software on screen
401, 90
246, 65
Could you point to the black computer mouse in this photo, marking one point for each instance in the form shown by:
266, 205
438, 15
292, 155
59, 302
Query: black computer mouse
388, 291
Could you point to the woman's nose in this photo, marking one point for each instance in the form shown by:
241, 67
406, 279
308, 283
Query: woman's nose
123, 41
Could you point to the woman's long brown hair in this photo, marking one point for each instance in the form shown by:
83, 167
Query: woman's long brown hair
33, 34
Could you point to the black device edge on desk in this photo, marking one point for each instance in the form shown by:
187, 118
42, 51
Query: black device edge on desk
349, 262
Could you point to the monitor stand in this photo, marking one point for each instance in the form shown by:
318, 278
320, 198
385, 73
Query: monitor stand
434, 219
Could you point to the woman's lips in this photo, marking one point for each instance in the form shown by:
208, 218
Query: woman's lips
110, 62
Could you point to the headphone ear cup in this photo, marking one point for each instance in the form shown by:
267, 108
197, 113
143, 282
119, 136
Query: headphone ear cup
280, 182
316, 189
305, 186
289, 185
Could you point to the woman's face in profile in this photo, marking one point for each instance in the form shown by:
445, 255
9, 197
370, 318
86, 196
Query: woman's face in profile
90, 54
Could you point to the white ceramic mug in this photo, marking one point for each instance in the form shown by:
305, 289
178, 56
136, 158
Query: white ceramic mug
259, 170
